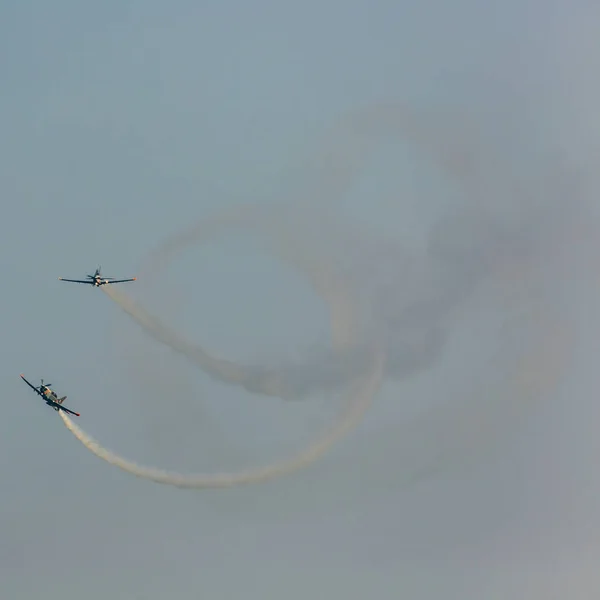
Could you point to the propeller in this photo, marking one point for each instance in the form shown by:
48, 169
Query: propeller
46, 384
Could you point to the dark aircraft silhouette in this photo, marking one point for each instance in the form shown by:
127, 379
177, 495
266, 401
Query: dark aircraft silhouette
50, 396
97, 279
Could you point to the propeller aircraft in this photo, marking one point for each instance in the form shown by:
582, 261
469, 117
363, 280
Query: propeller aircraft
97, 279
51, 398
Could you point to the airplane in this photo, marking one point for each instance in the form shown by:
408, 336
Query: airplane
50, 396
97, 279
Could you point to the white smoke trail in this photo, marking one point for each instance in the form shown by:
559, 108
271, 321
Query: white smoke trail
466, 425
360, 397
322, 275
296, 233
328, 284
461, 430
411, 313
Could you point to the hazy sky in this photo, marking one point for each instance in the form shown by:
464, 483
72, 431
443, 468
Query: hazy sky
124, 122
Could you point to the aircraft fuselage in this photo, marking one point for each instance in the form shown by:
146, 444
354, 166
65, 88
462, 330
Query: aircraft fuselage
48, 393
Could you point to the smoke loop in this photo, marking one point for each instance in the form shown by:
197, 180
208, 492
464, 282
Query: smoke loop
360, 393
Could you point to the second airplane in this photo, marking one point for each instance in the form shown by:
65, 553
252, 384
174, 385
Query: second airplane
97, 279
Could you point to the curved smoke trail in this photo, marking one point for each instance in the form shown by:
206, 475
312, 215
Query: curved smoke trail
410, 314
413, 336
322, 275
452, 430
359, 395
360, 398
456, 264
460, 429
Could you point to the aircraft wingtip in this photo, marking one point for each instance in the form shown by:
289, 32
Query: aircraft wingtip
22, 375
135, 278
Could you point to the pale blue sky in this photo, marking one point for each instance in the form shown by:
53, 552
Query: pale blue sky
121, 123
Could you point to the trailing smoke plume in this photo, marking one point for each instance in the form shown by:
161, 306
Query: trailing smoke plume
392, 312
404, 302
361, 387
359, 399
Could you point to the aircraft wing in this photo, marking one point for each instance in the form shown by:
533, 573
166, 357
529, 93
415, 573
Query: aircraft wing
121, 280
29, 384
67, 410
56, 405
75, 280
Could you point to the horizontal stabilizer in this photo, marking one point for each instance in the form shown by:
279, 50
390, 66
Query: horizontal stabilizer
61, 400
